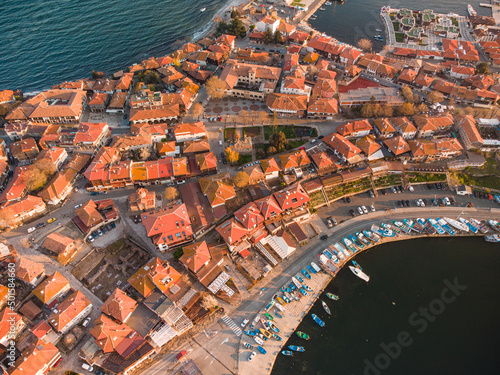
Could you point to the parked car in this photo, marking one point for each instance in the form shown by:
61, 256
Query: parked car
329, 222
94, 235
365, 210
90, 239
393, 189
360, 210
113, 225
371, 194
372, 208
347, 199
252, 355
99, 233
323, 237
180, 182
78, 206
51, 220
86, 322
32, 229
94, 193
353, 213
244, 323
87, 367
104, 230
411, 188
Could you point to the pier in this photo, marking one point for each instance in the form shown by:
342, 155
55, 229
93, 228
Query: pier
304, 16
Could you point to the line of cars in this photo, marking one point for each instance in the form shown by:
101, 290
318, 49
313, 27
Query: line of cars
41, 225
362, 210
101, 231
422, 202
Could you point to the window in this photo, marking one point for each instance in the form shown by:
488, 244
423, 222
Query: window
178, 235
294, 200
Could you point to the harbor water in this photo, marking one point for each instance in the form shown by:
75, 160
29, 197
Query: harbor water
432, 306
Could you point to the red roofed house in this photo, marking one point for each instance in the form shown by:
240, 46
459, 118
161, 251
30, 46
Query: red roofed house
287, 105
370, 147
268, 23
397, 145
91, 135
154, 274
203, 263
38, 359
234, 234
11, 325
206, 162
322, 108
292, 197
349, 56
428, 125
344, 149
268, 207
119, 305
25, 149
270, 168
358, 128
468, 132
461, 71
54, 155
28, 271
142, 200
51, 288
294, 159
218, 188
168, 228
189, 131
58, 243
70, 312
404, 127
324, 162
18, 211
249, 216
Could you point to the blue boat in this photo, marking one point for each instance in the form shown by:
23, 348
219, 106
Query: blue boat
427, 226
277, 337
250, 333
356, 264
374, 237
248, 346
348, 243
273, 326
318, 320
341, 249
474, 229
287, 352
278, 314
299, 278
261, 349
361, 237
292, 287
328, 254
312, 270
287, 300
497, 198
296, 348
307, 287
355, 241
382, 231
306, 274
390, 227
436, 226
303, 291
446, 227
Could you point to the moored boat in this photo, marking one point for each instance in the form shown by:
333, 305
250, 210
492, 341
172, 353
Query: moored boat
474, 229
296, 282
332, 296
339, 254
286, 297
250, 333
269, 316
315, 266
362, 238
255, 321
258, 340
266, 334
482, 228
303, 291
471, 11
278, 314
310, 269
456, 224
374, 237
414, 225
307, 287
357, 265
390, 227
359, 273
279, 306
300, 279
492, 238
303, 335
497, 198
281, 302
270, 305
446, 227
318, 320
247, 345
436, 226
342, 250
382, 231
348, 243
277, 337
306, 274
327, 264
325, 306
273, 326
494, 224
287, 352
261, 349
428, 227
402, 226
296, 348
355, 241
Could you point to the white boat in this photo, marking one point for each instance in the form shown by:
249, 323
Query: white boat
494, 224
327, 263
445, 226
471, 10
472, 227
480, 225
296, 282
341, 248
328, 3
492, 238
315, 266
279, 307
258, 340
359, 273
203, 9
322, 8
456, 224
371, 235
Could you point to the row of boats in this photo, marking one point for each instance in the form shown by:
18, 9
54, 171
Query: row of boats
335, 254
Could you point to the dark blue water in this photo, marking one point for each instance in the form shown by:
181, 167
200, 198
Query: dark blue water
45, 42
459, 333
357, 19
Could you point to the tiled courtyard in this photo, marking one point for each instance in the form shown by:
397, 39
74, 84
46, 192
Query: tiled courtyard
233, 106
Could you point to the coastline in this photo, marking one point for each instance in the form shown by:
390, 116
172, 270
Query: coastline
296, 311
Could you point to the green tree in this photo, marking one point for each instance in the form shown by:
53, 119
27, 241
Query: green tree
483, 68
268, 37
237, 28
278, 140
278, 38
178, 253
234, 13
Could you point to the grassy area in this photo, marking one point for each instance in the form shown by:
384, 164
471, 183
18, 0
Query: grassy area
396, 26
294, 144
488, 176
400, 37
229, 133
426, 177
243, 159
393, 17
317, 198
289, 131
454, 21
389, 180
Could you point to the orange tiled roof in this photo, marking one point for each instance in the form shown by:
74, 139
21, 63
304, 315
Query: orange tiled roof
68, 310
155, 273
232, 231
50, 287
368, 145
119, 305
195, 256
397, 145
354, 126
28, 270
168, 226
35, 359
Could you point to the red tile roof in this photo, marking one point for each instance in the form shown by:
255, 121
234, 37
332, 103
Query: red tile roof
119, 305
68, 310
169, 226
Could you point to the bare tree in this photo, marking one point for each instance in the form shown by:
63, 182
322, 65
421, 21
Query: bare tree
263, 116
244, 115
171, 193
197, 110
209, 302
241, 179
231, 155
144, 153
216, 88
365, 44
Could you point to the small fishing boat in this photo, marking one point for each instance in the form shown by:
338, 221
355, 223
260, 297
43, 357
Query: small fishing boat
390, 227
281, 301
492, 238
457, 224
258, 340
436, 226
325, 306
374, 237
287, 352
482, 228
296, 282
322, 8
313, 17
203, 9
310, 269
332, 296
348, 243
273, 326
250, 333
266, 334
328, 3
362, 238
286, 298
277, 337
303, 291
329, 254
359, 273
494, 224
318, 320
497, 198
269, 316
247, 345
382, 231
471, 10
307, 287
338, 253
400, 225
264, 322
306, 274
356, 264
292, 287
341, 248
446, 227
278, 314
297, 295
261, 349
296, 348
315, 266
414, 225
270, 305
279, 306
255, 321
355, 241
300, 279
429, 228
285, 289
474, 229
379, 30
303, 335
327, 264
